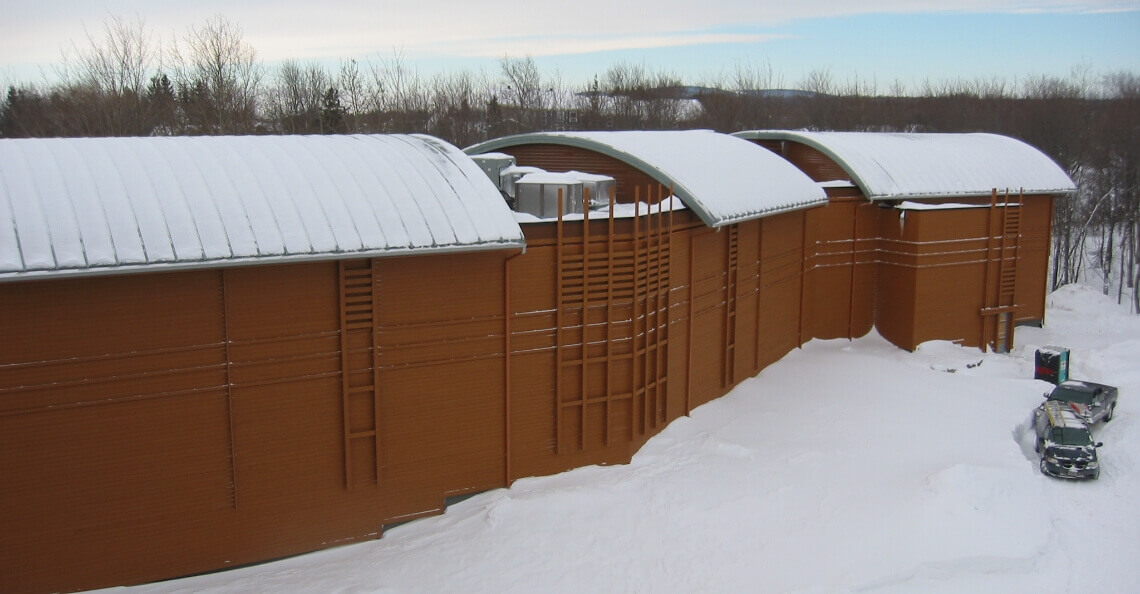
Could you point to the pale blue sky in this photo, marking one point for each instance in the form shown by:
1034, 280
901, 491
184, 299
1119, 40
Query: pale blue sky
874, 40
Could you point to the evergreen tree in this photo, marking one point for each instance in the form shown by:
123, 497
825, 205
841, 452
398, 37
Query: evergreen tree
332, 113
161, 106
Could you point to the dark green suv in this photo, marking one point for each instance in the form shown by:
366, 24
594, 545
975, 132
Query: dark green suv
1064, 442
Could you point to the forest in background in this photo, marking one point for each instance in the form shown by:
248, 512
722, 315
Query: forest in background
122, 82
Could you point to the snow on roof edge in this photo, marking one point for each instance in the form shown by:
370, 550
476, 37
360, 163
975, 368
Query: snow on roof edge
213, 264
876, 191
290, 198
697, 204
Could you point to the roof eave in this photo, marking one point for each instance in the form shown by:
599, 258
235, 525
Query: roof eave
157, 267
659, 176
808, 140
972, 194
770, 212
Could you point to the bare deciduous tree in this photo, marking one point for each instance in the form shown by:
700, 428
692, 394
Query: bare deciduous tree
218, 78
296, 100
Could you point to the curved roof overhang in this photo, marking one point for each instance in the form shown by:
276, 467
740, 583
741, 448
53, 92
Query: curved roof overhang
93, 206
901, 166
722, 179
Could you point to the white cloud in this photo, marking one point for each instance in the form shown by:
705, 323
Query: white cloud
570, 46
35, 31
541, 27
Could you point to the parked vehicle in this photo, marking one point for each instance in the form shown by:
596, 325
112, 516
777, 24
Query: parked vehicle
1091, 402
1064, 442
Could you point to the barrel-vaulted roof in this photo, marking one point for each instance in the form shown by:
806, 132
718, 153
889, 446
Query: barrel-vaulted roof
915, 166
720, 178
98, 205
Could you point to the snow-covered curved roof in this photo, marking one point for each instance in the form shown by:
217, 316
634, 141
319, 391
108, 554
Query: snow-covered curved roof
97, 205
902, 166
720, 178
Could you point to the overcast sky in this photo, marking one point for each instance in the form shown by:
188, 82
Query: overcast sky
874, 40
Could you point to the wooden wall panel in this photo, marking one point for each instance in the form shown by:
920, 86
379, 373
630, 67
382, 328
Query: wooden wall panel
135, 444
950, 280
680, 296
1033, 269
865, 270
781, 281
92, 494
829, 262
947, 304
895, 279
747, 302
440, 328
53, 308
708, 329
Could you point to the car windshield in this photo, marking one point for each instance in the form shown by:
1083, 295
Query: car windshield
1071, 436
1070, 395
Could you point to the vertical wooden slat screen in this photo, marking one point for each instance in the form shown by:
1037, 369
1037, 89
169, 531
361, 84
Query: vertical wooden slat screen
612, 318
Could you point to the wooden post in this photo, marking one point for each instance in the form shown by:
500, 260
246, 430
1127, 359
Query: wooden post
558, 322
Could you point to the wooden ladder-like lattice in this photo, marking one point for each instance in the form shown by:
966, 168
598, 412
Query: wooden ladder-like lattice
601, 279
653, 290
1002, 252
732, 270
359, 369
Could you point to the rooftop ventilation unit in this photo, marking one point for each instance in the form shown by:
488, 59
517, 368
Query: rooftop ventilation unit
493, 165
597, 188
538, 193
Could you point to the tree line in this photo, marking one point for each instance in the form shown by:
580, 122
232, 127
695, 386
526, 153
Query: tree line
210, 81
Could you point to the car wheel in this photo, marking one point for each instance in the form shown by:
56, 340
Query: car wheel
1108, 415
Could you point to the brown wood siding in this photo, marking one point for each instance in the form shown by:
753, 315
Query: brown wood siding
79, 392
780, 283
441, 378
144, 455
840, 264
1033, 269
940, 268
747, 307
895, 280
841, 257
140, 458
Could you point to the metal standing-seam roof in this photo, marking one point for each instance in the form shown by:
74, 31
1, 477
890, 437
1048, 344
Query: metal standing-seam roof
907, 166
99, 205
720, 178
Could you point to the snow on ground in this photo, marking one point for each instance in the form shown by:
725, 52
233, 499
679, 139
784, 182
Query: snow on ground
848, 466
